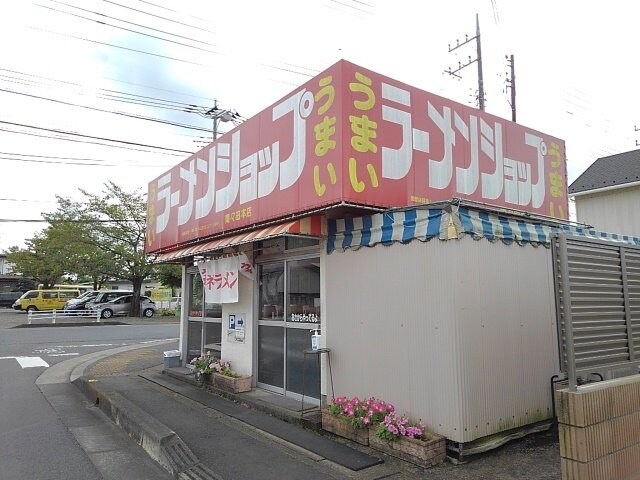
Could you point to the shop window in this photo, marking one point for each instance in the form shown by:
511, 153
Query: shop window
277, 245
194, 340
213, 338
272, 291
301, 242
212, 310
303, 288
203, 336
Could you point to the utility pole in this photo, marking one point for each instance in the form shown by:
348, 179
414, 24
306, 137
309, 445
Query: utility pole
511, 84
217, 115
479, 54
220, 115
215, 121
478, 59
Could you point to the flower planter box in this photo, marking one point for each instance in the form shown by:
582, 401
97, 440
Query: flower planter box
339, 426
231, 384
423, 452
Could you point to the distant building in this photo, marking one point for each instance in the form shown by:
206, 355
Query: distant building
5, 267
607, 194
8, 280
114, 284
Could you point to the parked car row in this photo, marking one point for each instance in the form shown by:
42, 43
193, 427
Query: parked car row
95, 296
122, 306
105, 303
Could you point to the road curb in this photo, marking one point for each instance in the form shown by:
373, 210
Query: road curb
160, 442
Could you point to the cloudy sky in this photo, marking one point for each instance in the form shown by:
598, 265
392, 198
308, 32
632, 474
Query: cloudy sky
96, 90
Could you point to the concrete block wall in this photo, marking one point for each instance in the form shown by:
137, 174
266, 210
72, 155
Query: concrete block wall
599, 428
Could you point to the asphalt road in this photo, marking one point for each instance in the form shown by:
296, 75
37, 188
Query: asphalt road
37, 437
34, 441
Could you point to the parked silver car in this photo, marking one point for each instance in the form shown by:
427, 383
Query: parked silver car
122, 306
106, 296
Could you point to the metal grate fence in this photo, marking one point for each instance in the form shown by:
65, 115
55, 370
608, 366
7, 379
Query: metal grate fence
598, 306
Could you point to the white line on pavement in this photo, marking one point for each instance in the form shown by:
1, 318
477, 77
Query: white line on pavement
62, 354
30, 362
91, 345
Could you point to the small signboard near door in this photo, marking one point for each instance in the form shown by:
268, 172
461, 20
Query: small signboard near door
236, 326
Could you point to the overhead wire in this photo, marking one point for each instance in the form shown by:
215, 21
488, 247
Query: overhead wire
158, 16
26, 74
51, 156
109, 94
27, 160
114, 112
132, 23
170, 9
144, 52
62, 132
126, 29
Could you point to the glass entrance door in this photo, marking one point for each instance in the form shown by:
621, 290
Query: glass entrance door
289, 309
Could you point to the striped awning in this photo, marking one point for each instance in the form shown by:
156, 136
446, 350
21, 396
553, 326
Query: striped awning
424, 224
307, 226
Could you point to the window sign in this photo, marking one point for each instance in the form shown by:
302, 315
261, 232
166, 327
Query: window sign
239, 330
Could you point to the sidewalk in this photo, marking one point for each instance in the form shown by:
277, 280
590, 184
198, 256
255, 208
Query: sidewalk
188, 429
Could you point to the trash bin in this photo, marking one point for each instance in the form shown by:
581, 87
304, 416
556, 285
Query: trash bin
172, 359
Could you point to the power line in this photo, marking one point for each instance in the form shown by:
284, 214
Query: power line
125, 29
114, 112
26, 160
53, 137
75, 159
170, 9
133, 23
119, 46
109, 94
115, 91
352, 6
93, 137
51, 156
26, 200
158, 16
95, 220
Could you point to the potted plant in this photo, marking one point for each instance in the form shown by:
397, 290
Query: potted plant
226, 379
202, 366
351, 417
398, 436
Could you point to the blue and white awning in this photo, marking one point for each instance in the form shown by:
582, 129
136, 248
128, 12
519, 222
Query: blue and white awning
424, 224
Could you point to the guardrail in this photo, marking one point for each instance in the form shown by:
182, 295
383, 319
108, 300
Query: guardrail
55, 315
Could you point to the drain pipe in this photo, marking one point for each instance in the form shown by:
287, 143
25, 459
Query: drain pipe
553, 380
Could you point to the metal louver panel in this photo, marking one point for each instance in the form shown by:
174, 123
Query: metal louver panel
632, 260
598, 303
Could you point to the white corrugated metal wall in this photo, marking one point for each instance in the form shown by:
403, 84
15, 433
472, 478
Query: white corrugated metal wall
459, 333
613, 211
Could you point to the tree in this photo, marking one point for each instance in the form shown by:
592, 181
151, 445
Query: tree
40, 260
109, 232
83, 255
169, 275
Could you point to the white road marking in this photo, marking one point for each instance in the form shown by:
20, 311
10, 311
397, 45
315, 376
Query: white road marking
91, 345
159, 340
30, 362
41, 351
62, 354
